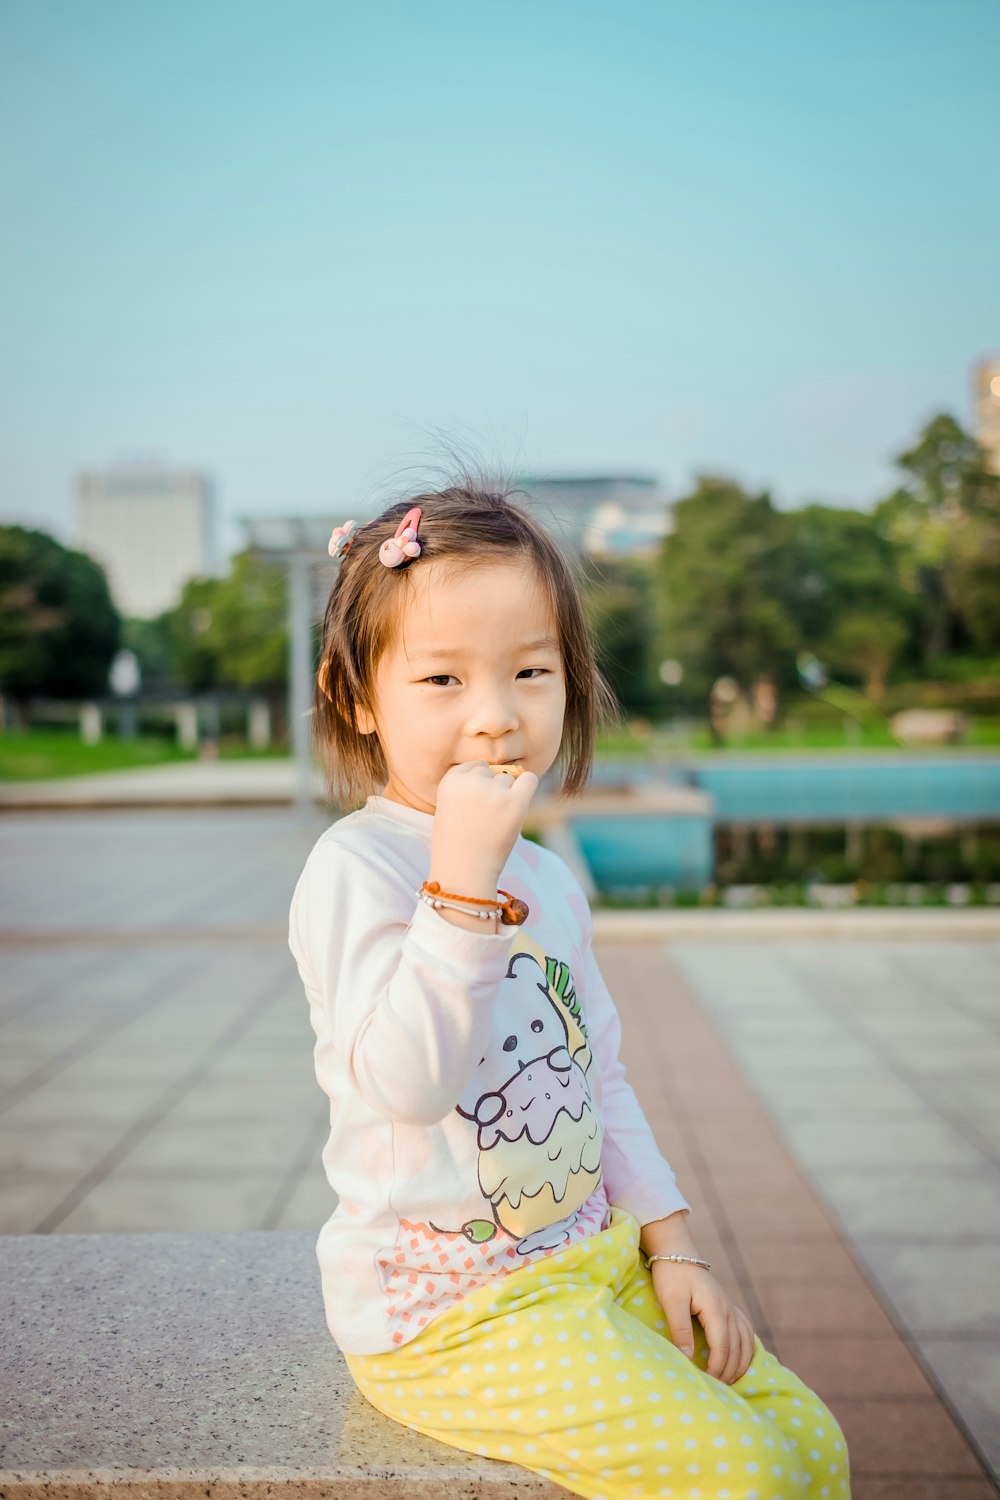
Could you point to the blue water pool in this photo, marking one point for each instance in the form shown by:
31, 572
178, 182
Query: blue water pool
845, 790
652, 850
657, 849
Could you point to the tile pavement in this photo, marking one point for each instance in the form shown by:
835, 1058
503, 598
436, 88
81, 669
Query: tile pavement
864, 1054
830, 1108
797, 1272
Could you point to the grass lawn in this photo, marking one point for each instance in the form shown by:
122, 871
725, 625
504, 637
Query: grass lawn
38, 754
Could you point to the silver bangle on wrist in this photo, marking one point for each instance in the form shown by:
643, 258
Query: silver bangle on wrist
691, 1260
485, 915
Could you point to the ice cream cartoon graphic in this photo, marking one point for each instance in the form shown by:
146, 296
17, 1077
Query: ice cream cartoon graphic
539, 1138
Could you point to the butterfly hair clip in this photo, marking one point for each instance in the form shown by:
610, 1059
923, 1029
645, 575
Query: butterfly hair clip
341, 538
404, 545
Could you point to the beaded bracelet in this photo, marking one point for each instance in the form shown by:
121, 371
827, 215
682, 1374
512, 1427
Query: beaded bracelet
511, 911
461, 904
691, 1260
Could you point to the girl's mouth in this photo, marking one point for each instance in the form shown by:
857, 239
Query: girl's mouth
513, 766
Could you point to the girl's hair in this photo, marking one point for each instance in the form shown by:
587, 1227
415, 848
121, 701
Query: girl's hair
468, 525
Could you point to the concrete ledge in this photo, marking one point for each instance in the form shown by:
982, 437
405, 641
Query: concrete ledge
794, 923
192, 1365
201, 783
773, 924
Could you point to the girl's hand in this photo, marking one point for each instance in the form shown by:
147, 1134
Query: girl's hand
684, 1291
477, 819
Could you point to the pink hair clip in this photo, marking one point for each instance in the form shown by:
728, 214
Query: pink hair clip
341, 537
396, 549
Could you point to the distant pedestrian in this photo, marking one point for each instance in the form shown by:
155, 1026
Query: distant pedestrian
510, 1267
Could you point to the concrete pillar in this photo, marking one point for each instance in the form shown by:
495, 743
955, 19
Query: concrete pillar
300, 674
91, 725
186, 720
211, 725
259, 724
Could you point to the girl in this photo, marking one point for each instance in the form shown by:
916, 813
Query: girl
510, 1267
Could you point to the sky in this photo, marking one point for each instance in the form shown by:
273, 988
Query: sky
302, 245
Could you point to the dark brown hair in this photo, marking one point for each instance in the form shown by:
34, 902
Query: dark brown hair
471, 524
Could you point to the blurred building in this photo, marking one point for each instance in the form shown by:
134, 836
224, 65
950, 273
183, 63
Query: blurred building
617, 515
151, 529
987, 377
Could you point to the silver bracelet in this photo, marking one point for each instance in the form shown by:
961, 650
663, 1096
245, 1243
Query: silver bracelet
691, 1260
438, 901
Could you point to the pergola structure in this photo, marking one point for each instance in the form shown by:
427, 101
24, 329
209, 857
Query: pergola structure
300, 544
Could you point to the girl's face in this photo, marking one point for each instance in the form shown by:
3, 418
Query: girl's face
474, 672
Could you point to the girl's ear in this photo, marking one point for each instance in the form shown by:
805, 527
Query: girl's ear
364, 718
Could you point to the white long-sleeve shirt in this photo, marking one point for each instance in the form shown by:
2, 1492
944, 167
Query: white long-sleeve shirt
479, 1112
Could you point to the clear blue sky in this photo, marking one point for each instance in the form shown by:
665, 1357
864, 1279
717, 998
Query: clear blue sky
281, 241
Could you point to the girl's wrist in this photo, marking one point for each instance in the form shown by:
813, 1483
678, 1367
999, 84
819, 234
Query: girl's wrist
669, 1236
465, 879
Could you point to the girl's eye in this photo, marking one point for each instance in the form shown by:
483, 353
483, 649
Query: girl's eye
442, 679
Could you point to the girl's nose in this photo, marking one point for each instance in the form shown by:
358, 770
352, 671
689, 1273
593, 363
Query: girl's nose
492, 713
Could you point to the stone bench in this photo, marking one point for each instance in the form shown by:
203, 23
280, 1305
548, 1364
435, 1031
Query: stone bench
184, 1365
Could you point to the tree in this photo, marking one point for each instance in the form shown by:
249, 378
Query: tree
59, 629
974, 578
944, 521
850, 607
617, 600
723, 588
150, 640
194, 658
975, 581
232, 631
865, 643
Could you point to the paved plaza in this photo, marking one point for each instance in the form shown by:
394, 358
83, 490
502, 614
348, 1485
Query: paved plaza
831, 1104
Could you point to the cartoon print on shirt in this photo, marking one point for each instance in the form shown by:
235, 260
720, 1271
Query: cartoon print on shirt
539, 1137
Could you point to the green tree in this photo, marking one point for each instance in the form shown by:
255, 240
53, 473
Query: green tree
723, 591
232, 631
194, 659
974, 577
59, 629
617, 600
975, 581
865, 643
850, 607
150, 640
249, 626
944, 521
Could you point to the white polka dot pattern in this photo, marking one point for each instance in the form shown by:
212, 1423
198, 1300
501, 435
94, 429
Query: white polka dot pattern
591, 1418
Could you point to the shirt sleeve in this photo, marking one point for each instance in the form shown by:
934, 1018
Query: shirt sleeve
407, 997
637, 1176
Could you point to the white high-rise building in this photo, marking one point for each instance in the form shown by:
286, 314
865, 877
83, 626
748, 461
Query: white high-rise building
616, 515
987, 377
151, 529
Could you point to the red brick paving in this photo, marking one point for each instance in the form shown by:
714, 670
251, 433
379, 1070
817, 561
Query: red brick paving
852, 1367
769, 1238
894, 1488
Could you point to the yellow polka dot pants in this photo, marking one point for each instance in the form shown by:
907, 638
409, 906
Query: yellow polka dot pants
566, 1368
